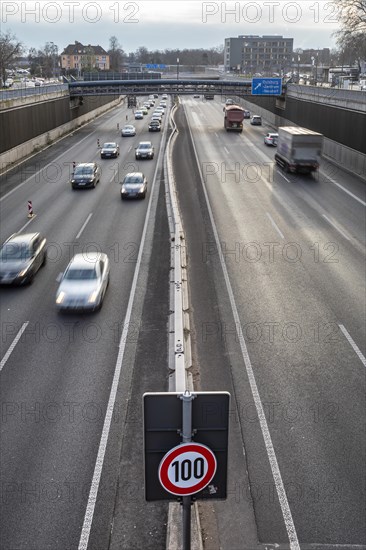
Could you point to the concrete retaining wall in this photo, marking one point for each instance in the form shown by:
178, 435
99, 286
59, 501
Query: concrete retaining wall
13, 156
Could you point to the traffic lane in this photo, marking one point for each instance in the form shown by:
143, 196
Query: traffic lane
225, 524
258, 277
104, 332
83, 350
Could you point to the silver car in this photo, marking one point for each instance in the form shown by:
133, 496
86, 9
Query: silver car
21, 256
134, 186
84, 282
128, 130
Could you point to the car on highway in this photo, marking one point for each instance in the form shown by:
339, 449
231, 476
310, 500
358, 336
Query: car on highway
196, 96
21, 256
246, 113
134, 186
256, 120
159, 110
157, 115
147, 105
144, 110
109, 150
86, 174
154, 126
139, 115
229, 101
152, 102
128, 130
271, 139
162, 104
144, 150
84, 283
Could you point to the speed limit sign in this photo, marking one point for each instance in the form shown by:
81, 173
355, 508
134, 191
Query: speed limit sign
187, 469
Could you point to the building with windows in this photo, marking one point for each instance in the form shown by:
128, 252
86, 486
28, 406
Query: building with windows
77, 57
248, 54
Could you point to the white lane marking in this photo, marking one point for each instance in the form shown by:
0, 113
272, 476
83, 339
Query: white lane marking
353, 344
216, 134
84, 225
59, 276
275, 225
13, 344
226, 151
28, 222
345, 190
336, 227
284, 177
93, 493
281, 492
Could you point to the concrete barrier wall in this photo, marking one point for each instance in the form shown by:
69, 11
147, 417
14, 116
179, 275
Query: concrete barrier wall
16, 154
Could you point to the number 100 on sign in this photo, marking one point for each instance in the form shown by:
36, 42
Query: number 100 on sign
187, 469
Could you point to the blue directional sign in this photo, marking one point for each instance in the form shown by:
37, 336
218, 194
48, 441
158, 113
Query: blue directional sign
266, 86
155, 66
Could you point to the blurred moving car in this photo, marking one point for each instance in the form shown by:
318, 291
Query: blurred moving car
164, 96
109, 150
84, 282
246, 113
144, 150
256, 120
21, 256
134, 186
154, 126
271, 139
128, 130
86, 174
139, 115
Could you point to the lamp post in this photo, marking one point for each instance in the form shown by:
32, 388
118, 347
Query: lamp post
177, 68
298, 69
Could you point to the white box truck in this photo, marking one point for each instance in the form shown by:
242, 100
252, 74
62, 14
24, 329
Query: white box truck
298, 149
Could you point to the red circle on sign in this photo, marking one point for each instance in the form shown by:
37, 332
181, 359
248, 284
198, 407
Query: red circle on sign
194, 486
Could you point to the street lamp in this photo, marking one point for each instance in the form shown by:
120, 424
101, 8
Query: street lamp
177, 68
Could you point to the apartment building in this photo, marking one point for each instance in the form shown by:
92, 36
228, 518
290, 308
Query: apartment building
79, 57
251, 54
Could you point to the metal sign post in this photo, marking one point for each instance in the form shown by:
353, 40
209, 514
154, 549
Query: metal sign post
187, 399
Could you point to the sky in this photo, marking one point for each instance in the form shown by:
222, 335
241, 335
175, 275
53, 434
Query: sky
169, 24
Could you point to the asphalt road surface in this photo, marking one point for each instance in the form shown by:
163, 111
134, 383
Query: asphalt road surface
277, 319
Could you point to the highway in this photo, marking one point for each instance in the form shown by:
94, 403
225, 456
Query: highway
278, 319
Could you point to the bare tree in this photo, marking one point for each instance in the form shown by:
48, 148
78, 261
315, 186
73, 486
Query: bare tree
10, 49
116, 54
351, 37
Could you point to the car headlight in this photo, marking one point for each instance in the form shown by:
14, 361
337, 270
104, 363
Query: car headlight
60, 298
93, 297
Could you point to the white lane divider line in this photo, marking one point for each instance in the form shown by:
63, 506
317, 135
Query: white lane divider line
336, 227
13, 344
283, 175
226, 151
275, 225
84, 225
26, 224
353, 344
346, 190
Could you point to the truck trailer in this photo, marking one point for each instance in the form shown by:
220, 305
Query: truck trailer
298, 149
234, 116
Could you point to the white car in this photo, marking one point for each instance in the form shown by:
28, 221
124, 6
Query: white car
139, 115
271, 139
128, 130
84, 282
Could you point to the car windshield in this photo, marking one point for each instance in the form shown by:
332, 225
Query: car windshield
109, 146
133, 179
144, 146
15, 251
83, 171
84, 274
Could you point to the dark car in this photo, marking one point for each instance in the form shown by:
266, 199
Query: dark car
256, 120
85, 175
145, 150
109, 150
134, 186
154, 126
246, 114
21, 256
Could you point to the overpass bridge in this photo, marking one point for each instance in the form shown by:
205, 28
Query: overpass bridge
239, 88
